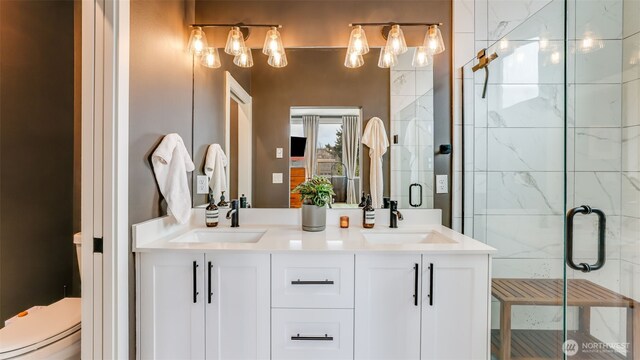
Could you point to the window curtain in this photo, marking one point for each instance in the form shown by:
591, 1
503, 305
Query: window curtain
310, 124
350, 147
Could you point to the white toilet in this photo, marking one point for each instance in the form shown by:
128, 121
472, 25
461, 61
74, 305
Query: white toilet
48, 332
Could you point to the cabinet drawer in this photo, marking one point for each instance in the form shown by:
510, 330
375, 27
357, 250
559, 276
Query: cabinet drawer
312, 281
312, 334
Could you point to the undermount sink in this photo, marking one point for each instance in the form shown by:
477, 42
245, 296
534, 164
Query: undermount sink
393, 237
221, 236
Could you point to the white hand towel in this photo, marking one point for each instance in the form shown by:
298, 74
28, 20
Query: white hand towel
375, 137
214, 166
171, 162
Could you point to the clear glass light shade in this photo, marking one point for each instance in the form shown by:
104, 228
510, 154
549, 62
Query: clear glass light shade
421, 57
235, 42
210, 58
273, 42
387, 58
277, 59
433, 40
353, 60
395, 41
197, 41
358, 41
244, 59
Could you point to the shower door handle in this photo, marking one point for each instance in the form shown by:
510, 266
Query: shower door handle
602, 226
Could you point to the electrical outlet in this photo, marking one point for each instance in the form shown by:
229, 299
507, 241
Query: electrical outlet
279, 153
203, 184
442, 184
277, 178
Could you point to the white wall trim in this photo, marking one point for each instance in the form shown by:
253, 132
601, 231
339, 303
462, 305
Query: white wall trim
233, 90
105, 143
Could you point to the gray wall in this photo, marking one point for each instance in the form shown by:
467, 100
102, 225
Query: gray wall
314, 77
36, 153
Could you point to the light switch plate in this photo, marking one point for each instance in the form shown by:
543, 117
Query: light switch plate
279, 153
442, 184
203, 184
277, 178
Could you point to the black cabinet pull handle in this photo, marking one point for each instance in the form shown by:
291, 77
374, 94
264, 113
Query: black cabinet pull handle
311, 282
430, 284
602, 226
313, 338
209, 283
195, 282
415, 285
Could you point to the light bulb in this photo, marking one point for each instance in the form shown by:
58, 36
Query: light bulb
395, 41
358, 41
433, 41
387, 58
421, 57
590, 43
197, 41
235, 42
504, 44
210, 58
353, 60
273, 42
555, 57
543, 43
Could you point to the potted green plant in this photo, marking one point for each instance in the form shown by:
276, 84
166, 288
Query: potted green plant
316, 194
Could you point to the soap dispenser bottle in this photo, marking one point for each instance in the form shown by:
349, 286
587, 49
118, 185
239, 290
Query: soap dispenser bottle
363, 201
222, 203
211, 212
368, 214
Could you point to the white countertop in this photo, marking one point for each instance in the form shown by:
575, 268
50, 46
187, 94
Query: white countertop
160, 234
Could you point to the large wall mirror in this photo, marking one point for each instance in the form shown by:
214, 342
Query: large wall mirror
282, 125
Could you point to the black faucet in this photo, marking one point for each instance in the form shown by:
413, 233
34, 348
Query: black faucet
394, 214
234, 213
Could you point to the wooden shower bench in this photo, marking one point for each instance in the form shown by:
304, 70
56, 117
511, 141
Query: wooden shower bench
540, 344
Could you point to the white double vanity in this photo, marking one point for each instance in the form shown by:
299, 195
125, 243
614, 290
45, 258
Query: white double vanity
267, 290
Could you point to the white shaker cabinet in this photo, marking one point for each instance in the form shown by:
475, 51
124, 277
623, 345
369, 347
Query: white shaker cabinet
171, 301
197, 306
455, 300
238, 309
387, 307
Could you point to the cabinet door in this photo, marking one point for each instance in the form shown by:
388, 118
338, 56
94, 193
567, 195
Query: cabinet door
171, 306
387, 307
238, 306
455, 311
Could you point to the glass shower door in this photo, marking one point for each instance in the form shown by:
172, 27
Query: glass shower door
603, 182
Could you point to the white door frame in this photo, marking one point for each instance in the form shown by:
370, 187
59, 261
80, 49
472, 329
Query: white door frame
105, 145
235, 91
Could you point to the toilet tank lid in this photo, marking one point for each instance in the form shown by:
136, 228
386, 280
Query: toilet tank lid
41, 326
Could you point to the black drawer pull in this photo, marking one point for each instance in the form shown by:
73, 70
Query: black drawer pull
313, 338
312, 282
195, 282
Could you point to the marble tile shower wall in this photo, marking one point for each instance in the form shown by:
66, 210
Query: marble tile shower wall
412, 123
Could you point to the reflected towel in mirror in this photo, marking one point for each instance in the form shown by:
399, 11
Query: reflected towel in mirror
375, 137
171, 162
214, 168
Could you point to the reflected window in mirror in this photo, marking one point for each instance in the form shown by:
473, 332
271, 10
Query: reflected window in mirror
331, 149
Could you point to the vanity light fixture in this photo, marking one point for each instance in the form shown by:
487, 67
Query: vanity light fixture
236, 46
433, 40
235, 42
197, 41
387, 58
244, 59
422, 57
433, 44
210, 58
277, 59
396, 43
